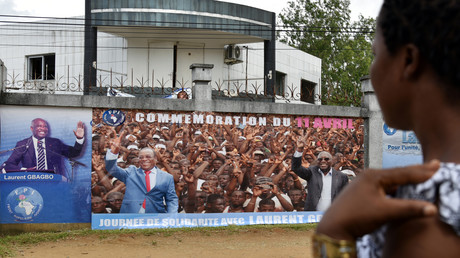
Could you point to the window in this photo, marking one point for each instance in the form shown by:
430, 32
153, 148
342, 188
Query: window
307, 91
41, 67
280, 83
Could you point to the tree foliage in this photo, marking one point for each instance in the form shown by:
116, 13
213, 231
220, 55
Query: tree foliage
323, 28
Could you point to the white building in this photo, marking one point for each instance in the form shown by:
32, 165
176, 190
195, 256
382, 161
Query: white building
151, 44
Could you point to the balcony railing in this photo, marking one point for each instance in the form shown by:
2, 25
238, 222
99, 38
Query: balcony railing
112, 84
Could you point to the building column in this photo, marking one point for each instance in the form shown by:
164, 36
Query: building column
270, 61
202, 90
3, 74
373, 125
90, 52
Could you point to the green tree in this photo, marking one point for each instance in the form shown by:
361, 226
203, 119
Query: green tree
323, 28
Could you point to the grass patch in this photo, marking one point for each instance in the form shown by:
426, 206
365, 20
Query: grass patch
10, 243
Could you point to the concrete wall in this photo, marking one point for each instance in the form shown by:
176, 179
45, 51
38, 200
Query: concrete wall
145, 57
181, 105
111, 54
370, 112
66, 41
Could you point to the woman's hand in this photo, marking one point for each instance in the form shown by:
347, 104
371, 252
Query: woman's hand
363, 206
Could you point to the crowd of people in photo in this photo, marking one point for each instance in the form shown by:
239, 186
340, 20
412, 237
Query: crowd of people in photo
219, 168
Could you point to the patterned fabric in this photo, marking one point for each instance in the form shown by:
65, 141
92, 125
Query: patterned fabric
41, 156
443, 187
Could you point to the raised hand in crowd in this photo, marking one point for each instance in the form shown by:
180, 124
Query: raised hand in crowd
287, 206
296, 178
256, 192
99, 169
115, 144
176, 153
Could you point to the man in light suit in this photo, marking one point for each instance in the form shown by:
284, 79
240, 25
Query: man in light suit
26, 154
148, 189
324, 182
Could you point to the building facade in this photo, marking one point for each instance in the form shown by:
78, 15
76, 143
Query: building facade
132, 45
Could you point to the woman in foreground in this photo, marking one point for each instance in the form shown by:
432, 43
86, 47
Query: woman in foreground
416, 78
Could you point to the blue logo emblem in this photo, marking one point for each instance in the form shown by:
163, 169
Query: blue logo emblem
388, 130
24, 203
113, 117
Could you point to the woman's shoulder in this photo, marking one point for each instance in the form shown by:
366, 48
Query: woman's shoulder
443, 189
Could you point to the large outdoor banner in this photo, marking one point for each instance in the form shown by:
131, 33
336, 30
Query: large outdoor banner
45, 165
400, 148
220, 163
178, 220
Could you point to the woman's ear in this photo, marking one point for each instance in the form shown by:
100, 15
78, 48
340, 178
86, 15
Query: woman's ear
412, 62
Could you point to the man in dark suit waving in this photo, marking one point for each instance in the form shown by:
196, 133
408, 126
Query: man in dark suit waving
324, 182
42, 153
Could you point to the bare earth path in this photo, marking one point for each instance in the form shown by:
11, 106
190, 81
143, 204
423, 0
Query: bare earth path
276, 242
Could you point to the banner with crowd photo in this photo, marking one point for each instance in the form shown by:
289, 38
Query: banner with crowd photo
400, 148
216, 159
45, 171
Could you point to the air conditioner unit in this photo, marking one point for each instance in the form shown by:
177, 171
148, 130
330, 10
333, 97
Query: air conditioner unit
232, 54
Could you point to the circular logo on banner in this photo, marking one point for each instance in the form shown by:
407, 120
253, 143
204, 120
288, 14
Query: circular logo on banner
24, 203
113, 117
388, 130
